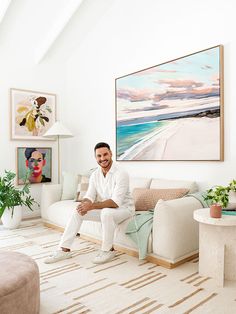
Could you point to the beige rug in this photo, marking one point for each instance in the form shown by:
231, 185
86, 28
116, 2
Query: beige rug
125, 285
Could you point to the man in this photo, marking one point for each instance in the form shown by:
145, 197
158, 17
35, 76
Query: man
35, 161
112, 185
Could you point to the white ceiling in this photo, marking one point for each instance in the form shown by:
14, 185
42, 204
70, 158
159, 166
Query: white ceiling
31, 27
4, 4
33, 31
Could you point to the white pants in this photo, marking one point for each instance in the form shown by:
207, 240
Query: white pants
109, 217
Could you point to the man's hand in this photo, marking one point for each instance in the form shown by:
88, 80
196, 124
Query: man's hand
84, 207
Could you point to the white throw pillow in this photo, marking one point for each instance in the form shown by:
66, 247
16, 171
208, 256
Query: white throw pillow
69, 185
136, 182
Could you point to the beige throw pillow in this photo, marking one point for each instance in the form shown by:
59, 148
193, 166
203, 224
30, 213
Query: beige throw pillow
82, 188
146, 199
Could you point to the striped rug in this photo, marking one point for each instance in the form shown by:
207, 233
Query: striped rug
124, 285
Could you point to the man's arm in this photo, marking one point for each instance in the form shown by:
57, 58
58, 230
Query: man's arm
104, 204
86, 205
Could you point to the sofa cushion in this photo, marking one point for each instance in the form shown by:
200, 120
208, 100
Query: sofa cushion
60, 212
82, 188
146, 199
69, 185
173, 184
172, 219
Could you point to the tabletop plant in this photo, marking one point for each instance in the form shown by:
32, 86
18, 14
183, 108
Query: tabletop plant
217, 195
11, 196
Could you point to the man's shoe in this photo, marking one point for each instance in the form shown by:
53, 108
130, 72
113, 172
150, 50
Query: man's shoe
57, 256
104, 257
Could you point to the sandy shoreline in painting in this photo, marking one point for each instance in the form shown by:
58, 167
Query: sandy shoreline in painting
182, 139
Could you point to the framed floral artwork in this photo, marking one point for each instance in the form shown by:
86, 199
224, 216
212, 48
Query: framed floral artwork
32, 114
172, 111
37, 161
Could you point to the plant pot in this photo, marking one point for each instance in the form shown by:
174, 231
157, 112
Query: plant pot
215, 211
232, 200
9, 221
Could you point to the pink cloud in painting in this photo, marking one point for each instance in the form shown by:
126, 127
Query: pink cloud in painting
188, 94
215, 80
181, 83
134, 95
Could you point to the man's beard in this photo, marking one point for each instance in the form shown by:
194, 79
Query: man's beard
107, 163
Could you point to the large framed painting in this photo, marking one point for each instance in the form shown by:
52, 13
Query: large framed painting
32, 114
34, 162
172, 111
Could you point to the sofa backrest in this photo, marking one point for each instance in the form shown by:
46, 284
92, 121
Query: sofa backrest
172, 184
159, 183
139, 183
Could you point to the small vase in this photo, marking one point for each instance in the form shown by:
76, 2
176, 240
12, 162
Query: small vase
232, 200
9, 221
215, 211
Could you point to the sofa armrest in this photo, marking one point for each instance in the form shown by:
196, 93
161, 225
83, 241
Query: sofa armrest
51, 193
175, 232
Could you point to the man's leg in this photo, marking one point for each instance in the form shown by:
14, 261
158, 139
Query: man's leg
69, 234
71, 229
110, 218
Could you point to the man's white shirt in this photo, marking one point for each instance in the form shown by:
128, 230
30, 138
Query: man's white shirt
115, 186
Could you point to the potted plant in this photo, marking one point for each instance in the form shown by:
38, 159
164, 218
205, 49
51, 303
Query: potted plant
12, 198
217, 198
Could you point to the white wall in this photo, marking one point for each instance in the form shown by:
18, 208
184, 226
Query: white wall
18, 39
133, 35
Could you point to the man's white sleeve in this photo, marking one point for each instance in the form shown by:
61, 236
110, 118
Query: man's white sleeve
121, 188
91, 192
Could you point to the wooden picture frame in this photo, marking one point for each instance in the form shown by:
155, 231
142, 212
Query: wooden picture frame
38, 160
32, 114
172, 111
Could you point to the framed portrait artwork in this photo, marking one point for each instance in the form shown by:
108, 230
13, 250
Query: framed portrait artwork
172, 111
32, 114
37, 161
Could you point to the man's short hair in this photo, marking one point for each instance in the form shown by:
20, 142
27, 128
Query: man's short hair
29, 151
100, 145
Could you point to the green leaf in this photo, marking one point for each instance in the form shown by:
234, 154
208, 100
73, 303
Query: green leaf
41, 121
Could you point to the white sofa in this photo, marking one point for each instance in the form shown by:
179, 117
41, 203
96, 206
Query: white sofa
174, 238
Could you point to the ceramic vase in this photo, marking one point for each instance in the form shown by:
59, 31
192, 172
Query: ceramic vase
12, 221
215, 211
232, 200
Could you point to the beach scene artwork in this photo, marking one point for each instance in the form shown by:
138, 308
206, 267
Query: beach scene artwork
172, 111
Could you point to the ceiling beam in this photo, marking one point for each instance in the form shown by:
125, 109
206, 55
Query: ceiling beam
60, 23
4, 4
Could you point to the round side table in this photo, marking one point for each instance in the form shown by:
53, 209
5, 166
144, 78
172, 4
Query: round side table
217, 245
